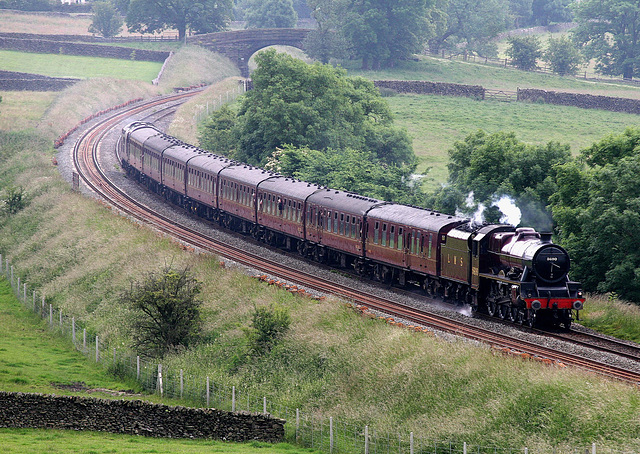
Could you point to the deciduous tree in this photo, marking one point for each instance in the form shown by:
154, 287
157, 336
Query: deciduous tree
597, 208
469, 25
315, 106
201, 16
383, 32
609, 32
165, 311
563, 56
491, 165
271, 14
106, 20
524, 51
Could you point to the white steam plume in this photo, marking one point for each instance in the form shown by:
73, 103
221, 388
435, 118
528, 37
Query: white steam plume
511, 214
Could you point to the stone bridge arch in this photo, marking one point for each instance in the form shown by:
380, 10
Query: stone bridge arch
240, 45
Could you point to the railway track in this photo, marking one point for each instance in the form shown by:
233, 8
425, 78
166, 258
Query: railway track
87, 162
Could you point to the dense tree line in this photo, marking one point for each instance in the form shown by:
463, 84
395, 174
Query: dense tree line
592, 203
315, 123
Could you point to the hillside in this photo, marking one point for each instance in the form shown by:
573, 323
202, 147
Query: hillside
333, 362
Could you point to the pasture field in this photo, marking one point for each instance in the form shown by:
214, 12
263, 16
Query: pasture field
436, 122
78, 66
491, 76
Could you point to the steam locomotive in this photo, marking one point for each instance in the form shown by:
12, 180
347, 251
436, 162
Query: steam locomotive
511, 273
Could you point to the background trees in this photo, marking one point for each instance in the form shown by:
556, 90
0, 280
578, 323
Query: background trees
468, 25
313, 106
106, 20
202, 16
271, 14
492, 165
382, 32
597, 207
609, 32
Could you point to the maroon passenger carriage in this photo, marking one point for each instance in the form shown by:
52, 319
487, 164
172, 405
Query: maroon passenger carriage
515, 274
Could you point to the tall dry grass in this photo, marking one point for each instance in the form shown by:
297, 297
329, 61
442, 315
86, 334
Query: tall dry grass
20, 110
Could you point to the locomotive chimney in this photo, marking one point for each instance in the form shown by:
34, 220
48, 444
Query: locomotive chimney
545, 237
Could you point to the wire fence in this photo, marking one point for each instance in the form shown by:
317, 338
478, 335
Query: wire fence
205, 108
303, 428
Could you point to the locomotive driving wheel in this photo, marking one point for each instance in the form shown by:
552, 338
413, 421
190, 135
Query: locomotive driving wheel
513, 314
503, 311
492, 308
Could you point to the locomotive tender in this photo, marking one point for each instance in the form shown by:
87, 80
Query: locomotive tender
515, 274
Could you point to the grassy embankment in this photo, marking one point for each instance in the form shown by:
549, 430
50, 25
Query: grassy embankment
351, 368
34, 359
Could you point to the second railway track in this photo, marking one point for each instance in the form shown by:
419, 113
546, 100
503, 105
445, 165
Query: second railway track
86, 153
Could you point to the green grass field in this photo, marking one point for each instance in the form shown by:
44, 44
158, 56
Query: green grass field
436, 122
491, 76
78, 66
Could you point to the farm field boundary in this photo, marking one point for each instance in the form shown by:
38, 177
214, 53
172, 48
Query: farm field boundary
135, 417
44, 46
581, 100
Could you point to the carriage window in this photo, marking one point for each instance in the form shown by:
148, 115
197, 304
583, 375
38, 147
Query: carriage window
384, 234
329, 221
353, 227
392, 237
341, 223
375, 233
347, 226
335, 223
430, 243
400, 238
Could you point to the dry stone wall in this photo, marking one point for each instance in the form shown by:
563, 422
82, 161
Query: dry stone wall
433, 88
14, 81
134, 417
584, 101
72, 48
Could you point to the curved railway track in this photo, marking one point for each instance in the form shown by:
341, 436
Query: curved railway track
86, 159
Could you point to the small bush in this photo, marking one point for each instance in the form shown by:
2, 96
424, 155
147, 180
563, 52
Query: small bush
14, 200
269, 324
